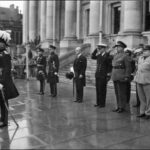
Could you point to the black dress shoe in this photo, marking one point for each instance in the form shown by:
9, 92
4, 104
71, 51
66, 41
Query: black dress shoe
115, 110
53, 95
120, 110
80, 101
137, 105
76, 101
3, 125
147, 117
42, 93
101, 106
141, 115
96, 105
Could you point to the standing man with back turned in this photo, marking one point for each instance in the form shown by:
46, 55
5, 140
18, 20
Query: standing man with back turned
102, 74
79, 67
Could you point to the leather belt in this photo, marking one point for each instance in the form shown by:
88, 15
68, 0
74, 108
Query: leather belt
118, 67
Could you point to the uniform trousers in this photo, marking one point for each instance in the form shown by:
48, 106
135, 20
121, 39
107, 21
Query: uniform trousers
53, 88
137, 96
42, 86
4, 111
101, 85
128, 92
121, 93
79, 89
144, 96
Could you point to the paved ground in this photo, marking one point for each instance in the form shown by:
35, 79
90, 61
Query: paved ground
60, 123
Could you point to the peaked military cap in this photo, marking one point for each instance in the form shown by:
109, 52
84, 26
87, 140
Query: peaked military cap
102, 45
120, 43
52, 46
147, 47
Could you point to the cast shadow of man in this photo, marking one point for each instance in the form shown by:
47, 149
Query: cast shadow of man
5, 138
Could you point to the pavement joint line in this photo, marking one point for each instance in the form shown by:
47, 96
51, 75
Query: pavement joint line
41, 141
132, 139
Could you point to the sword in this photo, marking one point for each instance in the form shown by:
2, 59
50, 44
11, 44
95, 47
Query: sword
3, 97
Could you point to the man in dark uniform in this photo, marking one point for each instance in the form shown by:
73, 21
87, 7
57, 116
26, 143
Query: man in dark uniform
6, 82
53, 68
41, 69
128, 51
102, 74
121, 73
79, 67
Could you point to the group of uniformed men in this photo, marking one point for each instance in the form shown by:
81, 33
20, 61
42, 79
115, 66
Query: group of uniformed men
121, 67
53, 67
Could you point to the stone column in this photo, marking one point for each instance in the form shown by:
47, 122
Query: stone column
79, 16
70, 39
32, 20
49, 21
70, 19
132, 16
25, 21
43, 21
94, 16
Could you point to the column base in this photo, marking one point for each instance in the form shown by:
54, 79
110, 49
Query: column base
45, 44
69, 42
93, 40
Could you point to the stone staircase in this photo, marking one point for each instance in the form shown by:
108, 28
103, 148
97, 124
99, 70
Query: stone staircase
90, 74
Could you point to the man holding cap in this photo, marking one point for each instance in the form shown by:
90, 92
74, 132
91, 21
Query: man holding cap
102, 74
79, 67
142, 78
121, 73
53, 67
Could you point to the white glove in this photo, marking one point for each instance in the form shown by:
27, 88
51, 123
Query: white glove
71, 69
55, 73
1, 86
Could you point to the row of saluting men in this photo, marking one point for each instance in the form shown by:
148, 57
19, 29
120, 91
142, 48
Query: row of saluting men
121, 68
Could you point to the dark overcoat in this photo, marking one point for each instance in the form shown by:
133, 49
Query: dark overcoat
53, 68
10, 89
79, 67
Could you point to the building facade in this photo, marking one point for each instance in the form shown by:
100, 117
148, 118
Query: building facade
11, 19
68, 23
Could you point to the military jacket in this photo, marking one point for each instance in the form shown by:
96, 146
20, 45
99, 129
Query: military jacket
122, 69
41, 67
103, 64
53, 68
